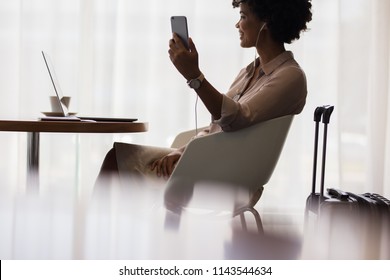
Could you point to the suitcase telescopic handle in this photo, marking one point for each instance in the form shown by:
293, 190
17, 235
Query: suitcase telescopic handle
318, 113
328, 110
321, 112
317, 118
325, 119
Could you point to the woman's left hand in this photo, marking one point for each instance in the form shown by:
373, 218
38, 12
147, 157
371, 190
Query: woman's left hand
165, 165
185, 61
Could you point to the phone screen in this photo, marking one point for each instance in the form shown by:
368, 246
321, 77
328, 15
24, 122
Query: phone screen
179, 26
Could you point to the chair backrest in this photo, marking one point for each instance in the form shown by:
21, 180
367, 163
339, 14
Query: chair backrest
246, 158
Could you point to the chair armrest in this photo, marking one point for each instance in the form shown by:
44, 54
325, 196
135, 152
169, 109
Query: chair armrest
184, 137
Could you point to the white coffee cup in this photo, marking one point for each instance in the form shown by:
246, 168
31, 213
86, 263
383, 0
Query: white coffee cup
55, 106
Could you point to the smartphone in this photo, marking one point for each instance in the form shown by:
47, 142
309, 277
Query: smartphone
179, 26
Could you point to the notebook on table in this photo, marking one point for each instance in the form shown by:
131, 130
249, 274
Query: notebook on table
64, 114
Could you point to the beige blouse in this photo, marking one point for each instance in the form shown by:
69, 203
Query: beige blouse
280, 90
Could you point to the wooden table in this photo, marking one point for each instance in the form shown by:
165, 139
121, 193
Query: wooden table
34, 128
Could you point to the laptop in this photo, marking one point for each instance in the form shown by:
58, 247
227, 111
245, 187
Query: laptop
64, 114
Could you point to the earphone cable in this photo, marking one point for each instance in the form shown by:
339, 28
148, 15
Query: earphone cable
257, 41
196, 115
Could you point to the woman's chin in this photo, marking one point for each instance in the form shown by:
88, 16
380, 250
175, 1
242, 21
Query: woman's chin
243, 45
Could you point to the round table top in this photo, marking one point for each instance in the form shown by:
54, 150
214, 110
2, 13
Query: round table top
72, 126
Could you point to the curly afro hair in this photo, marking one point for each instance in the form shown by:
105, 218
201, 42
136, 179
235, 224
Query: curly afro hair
285, 19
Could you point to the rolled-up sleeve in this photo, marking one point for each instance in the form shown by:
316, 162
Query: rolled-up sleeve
229, 111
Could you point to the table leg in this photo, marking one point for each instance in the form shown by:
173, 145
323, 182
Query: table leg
33, 161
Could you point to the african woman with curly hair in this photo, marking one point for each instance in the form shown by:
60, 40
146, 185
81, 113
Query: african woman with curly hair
271, 86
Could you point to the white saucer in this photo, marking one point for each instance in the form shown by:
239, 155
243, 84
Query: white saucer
57, 114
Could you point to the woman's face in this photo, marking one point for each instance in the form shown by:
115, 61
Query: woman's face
248, 26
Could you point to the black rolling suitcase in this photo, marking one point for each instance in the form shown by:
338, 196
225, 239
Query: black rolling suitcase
339, 224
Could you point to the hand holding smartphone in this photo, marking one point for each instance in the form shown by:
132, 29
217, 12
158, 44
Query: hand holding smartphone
179, 26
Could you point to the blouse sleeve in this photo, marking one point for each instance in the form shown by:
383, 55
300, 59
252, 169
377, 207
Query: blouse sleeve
281, 93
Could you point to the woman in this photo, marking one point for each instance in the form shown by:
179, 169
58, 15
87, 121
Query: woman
271, 86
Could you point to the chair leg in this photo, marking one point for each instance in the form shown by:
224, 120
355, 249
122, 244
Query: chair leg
255, 214
243, 222
259, 223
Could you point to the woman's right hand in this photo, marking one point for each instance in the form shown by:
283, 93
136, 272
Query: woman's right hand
165, 165
185, 61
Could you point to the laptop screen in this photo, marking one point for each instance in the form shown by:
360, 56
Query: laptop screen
55, 83
64, 110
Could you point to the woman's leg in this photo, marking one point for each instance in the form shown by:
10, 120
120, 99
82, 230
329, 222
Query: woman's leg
110, 164
108, 171
129, 162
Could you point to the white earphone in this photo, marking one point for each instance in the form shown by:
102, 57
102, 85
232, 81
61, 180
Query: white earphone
257, 41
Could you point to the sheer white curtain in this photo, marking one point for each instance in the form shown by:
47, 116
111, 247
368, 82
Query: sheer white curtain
111, 57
